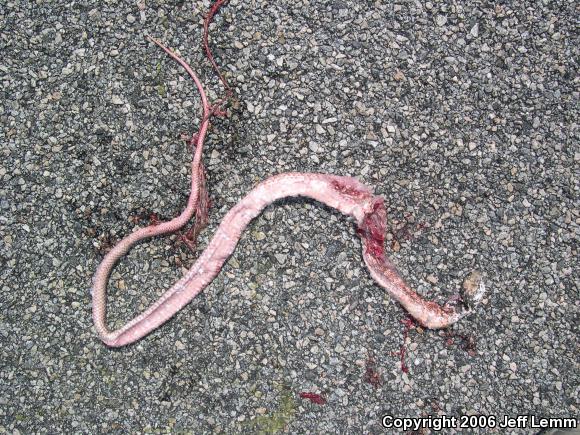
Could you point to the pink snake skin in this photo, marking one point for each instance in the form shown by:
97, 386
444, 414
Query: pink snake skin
345, 194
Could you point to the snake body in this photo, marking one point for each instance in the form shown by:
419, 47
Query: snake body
345, 194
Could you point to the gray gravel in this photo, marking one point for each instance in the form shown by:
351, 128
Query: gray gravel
462, 115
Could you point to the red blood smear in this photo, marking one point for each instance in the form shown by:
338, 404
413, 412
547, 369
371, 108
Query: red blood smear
468, 342
371, 375
314, 398
409, 323
372, 230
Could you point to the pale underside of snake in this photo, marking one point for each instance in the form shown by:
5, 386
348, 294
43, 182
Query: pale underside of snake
345, 194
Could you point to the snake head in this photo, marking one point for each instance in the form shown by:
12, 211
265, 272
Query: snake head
473, 289
464, 303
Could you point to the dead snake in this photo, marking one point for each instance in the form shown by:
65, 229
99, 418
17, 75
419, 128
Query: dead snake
345, 194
